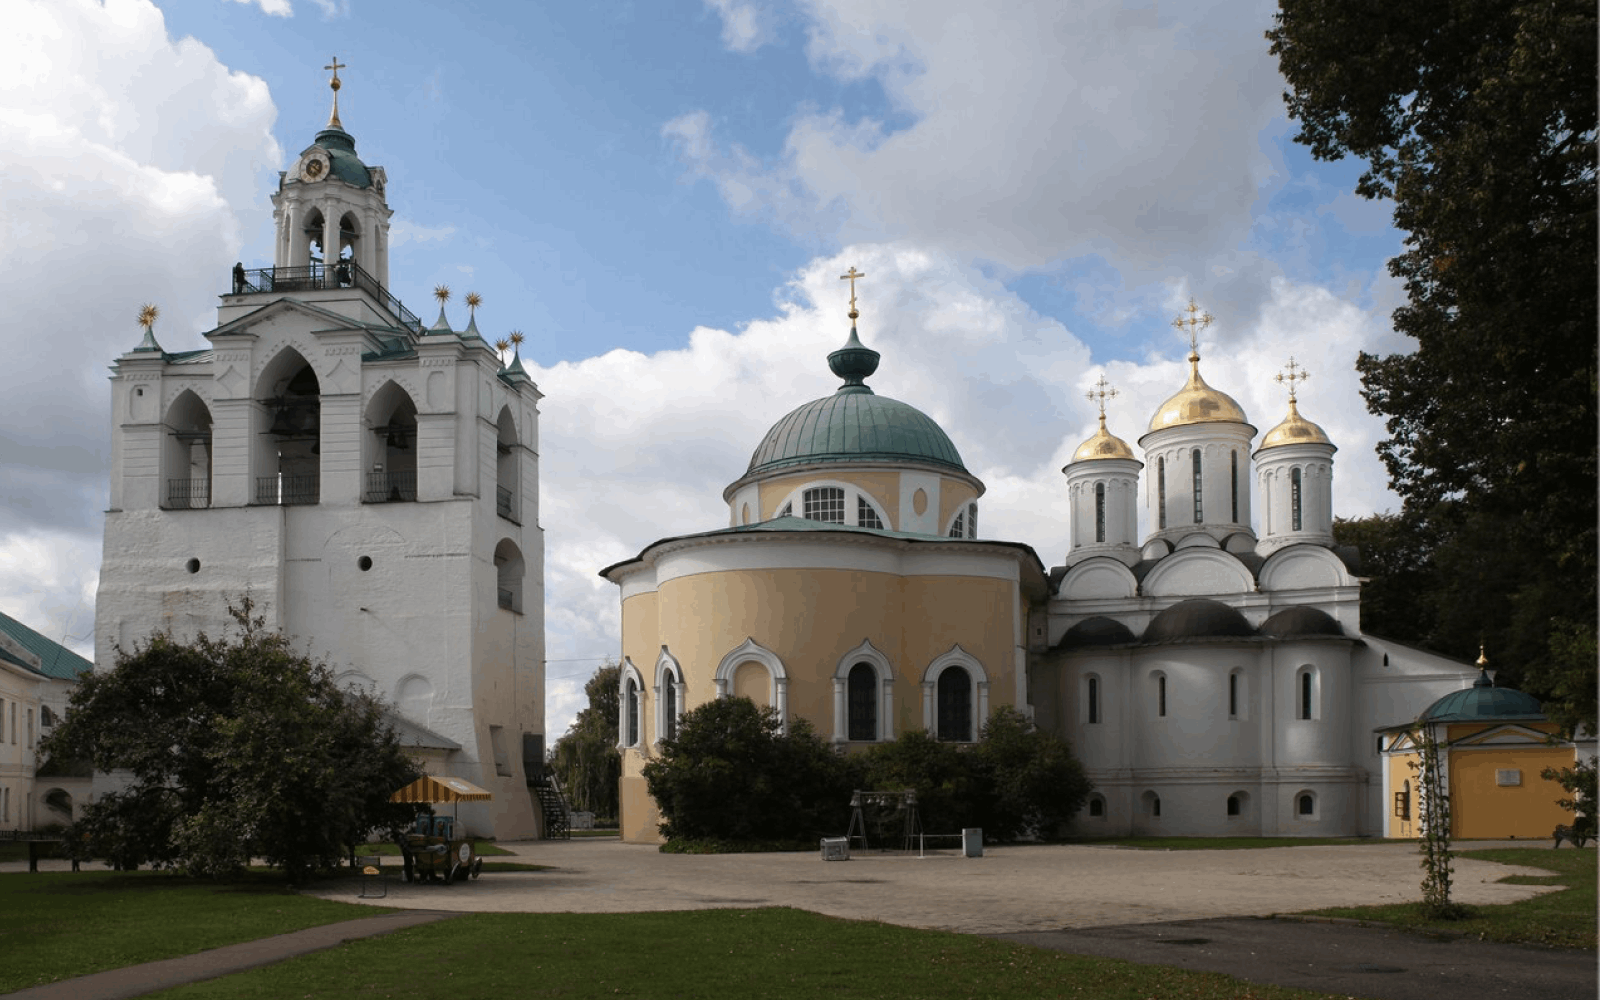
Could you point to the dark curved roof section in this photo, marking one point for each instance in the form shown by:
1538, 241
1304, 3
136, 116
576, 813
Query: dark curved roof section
1198, 618
1295, 623
1096, 631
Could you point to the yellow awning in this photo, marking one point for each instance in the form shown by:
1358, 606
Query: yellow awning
432, 788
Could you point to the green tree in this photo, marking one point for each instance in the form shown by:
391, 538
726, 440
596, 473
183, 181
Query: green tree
585, 759
1036, 784
1478, 119
733, 775
1580, 784
952, 790
1397, 560
234, 748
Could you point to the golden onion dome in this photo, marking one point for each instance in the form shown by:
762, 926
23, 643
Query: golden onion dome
1104, 444
1295, 429
1197, 403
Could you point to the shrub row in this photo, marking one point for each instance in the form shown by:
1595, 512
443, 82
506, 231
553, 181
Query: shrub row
733, 777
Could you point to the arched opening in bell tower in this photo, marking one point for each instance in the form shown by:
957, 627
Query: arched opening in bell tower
508, 470
186, 454
311, 236
389, 451
287, 450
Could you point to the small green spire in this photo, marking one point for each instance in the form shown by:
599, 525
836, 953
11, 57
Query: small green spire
854, 362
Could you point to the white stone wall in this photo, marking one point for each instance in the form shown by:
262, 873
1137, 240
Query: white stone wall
401, 596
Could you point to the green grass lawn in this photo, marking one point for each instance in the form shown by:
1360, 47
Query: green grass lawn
707, 953
1564, 919
55, 925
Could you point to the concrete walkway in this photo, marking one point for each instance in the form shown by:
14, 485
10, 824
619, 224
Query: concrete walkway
1009, 890
137, 980
1190, 909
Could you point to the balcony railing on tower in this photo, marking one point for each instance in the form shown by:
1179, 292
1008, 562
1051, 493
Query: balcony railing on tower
391, 487
317, 277
287, 490
188, 494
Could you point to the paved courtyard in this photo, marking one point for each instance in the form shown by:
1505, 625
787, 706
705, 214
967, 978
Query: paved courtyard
1009, 890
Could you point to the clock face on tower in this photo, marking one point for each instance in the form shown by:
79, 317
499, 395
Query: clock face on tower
314, 165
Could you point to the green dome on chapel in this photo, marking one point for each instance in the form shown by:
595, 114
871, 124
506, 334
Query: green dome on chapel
854, 425
1484, 702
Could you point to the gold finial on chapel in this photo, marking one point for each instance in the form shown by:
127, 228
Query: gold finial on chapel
1101, 392
1294, 374
1191, 325
333, 119
851, 277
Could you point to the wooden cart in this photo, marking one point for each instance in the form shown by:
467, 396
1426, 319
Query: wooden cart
431, 849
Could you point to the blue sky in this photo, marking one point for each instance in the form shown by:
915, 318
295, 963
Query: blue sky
661, 197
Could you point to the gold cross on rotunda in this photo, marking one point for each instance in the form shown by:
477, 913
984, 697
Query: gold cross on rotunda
336, 66
1101, 392
851, 277
1295, 374
1192, 325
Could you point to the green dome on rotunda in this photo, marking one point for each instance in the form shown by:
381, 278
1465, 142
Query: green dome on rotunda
854, 425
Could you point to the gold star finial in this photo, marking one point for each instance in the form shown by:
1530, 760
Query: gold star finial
442, 293
1295, 374
147, 315
851, 277
333, 119
1191, 325
474, 300
1101, 392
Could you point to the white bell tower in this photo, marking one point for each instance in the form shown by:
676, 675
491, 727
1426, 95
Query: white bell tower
330, 208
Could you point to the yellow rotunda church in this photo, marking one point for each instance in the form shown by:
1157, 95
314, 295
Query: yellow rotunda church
1213, 676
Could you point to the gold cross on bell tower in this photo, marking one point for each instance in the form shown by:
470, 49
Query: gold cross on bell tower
1101, 392
1191, 327
336, 66
1295, 374
851, 277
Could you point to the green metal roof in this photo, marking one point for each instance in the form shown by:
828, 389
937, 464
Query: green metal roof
55, 660
347, 166
854, 425
1483, 702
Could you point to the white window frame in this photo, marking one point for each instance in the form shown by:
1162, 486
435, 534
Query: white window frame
751, 651
956, 657
629, 672
873, 657
667, 666
796, 501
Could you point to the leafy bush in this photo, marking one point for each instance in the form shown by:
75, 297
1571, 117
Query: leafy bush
732, 774
732, 780
235, 748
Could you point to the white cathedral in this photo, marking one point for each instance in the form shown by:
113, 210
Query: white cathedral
1213, 676
371, 483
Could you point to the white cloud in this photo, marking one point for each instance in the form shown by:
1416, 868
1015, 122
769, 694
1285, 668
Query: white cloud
277, 8
48, 583
130, 159
402, 232
1037, 132
745, 26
